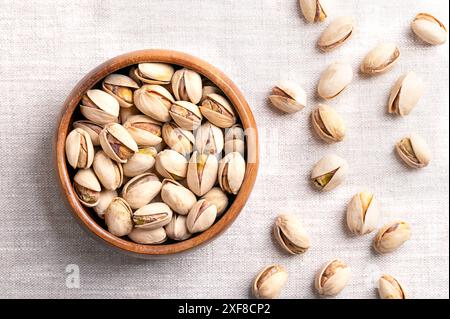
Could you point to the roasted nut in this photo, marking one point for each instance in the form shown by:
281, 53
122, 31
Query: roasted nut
118, 217
362, 213
209, 89
177, 229
126, 112
288, 97
209, 139
269, 282
405, 94
154, 101
105, 198
186, 114
117, 142
152, 216
87, 187
218, 198
171, 164
201, 216
140, 162
154, 73
140, 190
144, 130
179, 198
290, 234
332, 278
202, 172
121, 87
390, 288
79, 149
178, 139
414, 151
380, 59
336, 77
429, 29
231, 172
187, 85
148, 236
392, 236
329, 172
109, 172
315, 10
328, 124
218, 110
336, 34
91, 128
99, 107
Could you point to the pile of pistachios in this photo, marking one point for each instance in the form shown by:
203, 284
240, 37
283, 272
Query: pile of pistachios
363, 210
159, 154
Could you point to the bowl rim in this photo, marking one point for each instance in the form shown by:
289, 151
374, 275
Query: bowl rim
182, 59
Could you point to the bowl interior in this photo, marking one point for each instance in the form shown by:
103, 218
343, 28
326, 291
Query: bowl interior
70, 109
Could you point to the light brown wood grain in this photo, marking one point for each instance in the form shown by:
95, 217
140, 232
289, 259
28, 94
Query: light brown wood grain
83, 216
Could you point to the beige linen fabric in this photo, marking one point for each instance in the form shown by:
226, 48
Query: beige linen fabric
47, 46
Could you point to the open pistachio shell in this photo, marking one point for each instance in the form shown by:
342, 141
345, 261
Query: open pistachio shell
328, 124
290, 234
187, 85
201, 216
178, 139
154, 73
231, 172
380, 59
154, 101
336, 77
209, 89
429, 29
176, 229
390, 288
79, 149
118, 217
218, 110
105, 198
117, 143
269, 282
329, 172
209, 139
315, 10
99, 107
218, 198
362, 213
202, 172
171, 164
109, 172
144, 130
332, 278
336, 34
140, 190
392, 236
405, 94
140, 162
121, 87
148, 236
414, 151
152, 216
179, 198
91, 128
87, 187
186, 114
288, 97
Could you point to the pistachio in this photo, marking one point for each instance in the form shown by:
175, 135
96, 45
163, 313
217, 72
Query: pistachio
179, 198
328, 124
209, 89
154, 101
99, 107
414, 151
91, 128
209, 139
178, 139
121, 87
202, 172
126, 112
176, 229
392, 236
336, 34
288, 97
329, 172
109, 172
218, 110
201, 216
314, 10
152, 216
429, 29
140, 162
269, 282
79, 149
148, 236
117, 143
218, 198
380, 59
87, 188
154, 73
231, 172
140, 190
171, 164
144, 130
187, 85
334, 80
118, 217
362, 213
186, 115
290, 234
390, 288
332, 278
105, 198
405, 94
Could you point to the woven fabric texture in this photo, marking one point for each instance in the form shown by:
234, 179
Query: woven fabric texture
46, 47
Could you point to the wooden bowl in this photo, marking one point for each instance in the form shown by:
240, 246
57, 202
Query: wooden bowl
85, 217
